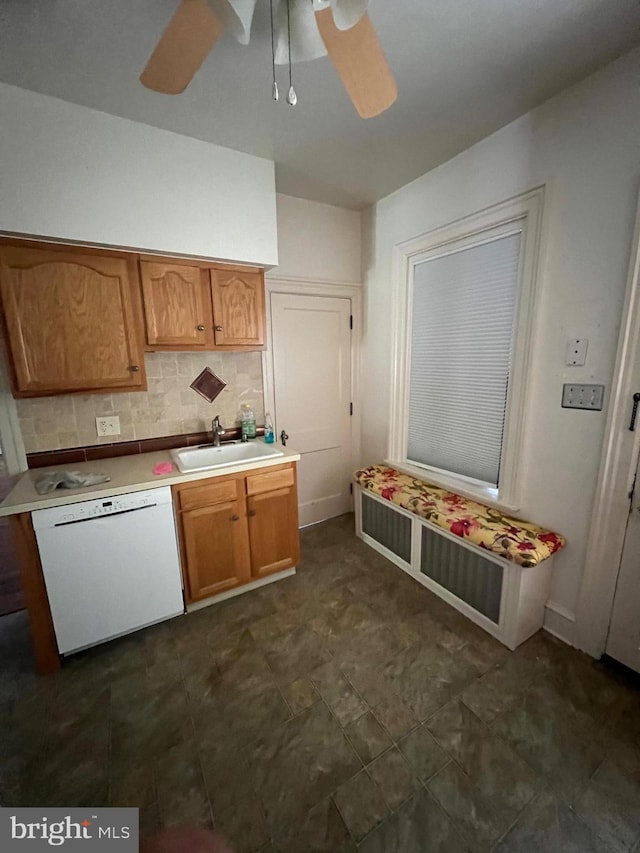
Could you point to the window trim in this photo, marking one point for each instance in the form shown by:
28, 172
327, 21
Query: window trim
526, 210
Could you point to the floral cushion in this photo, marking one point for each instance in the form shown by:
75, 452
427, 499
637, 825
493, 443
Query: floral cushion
518, 541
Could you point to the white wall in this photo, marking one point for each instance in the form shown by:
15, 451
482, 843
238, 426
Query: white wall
583, 145
71, 173
317, 242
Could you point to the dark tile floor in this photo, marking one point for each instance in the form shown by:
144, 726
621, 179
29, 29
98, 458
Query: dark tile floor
344, 708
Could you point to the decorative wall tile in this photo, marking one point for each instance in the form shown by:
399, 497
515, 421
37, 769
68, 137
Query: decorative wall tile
168, 407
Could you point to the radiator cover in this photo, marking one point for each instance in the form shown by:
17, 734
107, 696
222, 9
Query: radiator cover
387, 526
469, 576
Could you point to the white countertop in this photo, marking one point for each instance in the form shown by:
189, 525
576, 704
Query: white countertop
126, 473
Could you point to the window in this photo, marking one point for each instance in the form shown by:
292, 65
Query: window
464, 298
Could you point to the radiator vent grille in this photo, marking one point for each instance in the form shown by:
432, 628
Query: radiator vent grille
388, 527
467, 575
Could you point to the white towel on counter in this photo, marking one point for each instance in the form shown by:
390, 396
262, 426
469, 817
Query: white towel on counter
67, 480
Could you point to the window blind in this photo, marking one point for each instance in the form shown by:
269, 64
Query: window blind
462, 332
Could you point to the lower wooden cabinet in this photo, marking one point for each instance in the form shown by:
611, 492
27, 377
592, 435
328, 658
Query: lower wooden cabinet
236, 529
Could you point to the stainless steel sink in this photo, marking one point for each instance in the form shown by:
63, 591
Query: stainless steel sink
206, 457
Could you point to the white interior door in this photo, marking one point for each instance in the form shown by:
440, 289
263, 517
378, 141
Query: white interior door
623, 642
311, 340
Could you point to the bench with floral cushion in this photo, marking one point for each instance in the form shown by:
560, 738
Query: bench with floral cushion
509, 567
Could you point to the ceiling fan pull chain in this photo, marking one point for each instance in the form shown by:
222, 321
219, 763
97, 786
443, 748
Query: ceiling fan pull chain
274, 89
292, 98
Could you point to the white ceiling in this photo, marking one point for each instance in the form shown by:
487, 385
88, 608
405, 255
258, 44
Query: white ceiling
464, 68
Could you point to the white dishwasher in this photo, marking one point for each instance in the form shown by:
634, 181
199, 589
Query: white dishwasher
110, 565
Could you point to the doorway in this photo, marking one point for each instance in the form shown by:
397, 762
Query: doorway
623, 642
609, 600
310, 387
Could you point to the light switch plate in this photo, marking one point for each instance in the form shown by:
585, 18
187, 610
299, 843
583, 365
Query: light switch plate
583, 397
576, 352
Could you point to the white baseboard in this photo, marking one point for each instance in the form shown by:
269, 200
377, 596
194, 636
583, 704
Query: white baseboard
560, 621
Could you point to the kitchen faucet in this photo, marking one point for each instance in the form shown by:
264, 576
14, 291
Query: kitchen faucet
216, 430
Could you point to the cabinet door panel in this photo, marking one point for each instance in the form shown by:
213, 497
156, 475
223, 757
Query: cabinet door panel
215, 552
70, 321
238, 308
273, 531
176, 305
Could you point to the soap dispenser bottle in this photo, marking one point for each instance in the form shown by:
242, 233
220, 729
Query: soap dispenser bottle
248, 423
269, 437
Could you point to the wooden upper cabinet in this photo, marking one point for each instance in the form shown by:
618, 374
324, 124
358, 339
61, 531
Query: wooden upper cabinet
238, 308
72, 320
202, 307
177, 305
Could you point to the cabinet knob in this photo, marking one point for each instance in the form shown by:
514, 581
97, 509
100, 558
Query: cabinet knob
218, 328
252, 512
235, 518
134, 368
200, 327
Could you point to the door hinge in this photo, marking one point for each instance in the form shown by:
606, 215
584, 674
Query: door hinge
351, 321
350, 488
351, 408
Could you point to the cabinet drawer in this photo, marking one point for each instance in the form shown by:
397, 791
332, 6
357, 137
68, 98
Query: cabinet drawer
270, 480
209, 493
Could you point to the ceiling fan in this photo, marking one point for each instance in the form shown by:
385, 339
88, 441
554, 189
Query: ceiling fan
300, 30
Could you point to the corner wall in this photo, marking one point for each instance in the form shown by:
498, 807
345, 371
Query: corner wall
583, 146
317, 242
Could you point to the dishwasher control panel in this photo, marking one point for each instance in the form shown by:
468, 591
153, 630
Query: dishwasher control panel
88, 510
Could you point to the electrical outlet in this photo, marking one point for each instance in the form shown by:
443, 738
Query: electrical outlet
583, 397
108, 425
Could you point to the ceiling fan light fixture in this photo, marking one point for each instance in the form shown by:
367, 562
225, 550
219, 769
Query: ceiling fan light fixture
346, 13
300, 23
301, 30
236, 15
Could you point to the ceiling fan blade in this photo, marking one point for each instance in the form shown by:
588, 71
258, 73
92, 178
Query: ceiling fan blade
358, 58
183, 47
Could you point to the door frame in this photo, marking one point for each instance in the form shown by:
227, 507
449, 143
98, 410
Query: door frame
620, 450
295, 287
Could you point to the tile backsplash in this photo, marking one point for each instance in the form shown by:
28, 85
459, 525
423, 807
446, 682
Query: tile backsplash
168, 407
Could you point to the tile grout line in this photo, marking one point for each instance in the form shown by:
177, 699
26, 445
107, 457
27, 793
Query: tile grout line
190, 709
544, 781
536, 797
440, 807
457, 763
